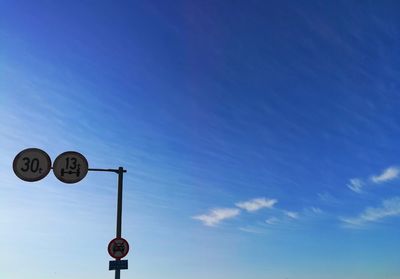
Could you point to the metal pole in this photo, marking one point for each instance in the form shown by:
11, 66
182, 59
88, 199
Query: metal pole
117, 274
119, 202
120, 171
119, 212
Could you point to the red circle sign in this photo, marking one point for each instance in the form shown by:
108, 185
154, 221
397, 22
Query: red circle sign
118, 248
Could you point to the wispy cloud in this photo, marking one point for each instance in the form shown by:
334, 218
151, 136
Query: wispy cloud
256, 204
316, 210
272, 220
291, 214
389, 207
387, 175
217, 215
286, 217
356, 185
250, 229
327, 198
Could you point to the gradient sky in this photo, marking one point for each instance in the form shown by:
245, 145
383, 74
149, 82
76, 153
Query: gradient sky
261, 138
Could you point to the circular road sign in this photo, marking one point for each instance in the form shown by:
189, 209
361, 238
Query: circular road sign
118, 248
32, 164
70, 167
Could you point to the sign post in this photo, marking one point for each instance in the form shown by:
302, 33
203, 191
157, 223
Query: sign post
33, 164
119, 213
118, 266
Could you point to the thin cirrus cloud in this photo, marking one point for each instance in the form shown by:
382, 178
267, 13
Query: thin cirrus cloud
357, 184
272, 220
327, 198
387, 175
215, 216
250, 229
256, 204
389, 208
316, 210
291, 214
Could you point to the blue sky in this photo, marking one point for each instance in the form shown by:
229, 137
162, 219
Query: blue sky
260, 138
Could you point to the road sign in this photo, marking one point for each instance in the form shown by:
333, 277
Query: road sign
118, 265
70, 167
32, 164
118, 248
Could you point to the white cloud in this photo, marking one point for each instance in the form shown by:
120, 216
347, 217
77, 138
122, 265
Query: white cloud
356, 185
217, 215
291, 214
271, 221
316, 210
251, 230
390, 207
327, 198
256, 204
388, 174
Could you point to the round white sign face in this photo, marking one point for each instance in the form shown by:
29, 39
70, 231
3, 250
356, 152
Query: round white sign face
70, 167
32, 164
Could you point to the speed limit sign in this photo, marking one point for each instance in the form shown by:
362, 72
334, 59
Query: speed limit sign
32, 164
70, 167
